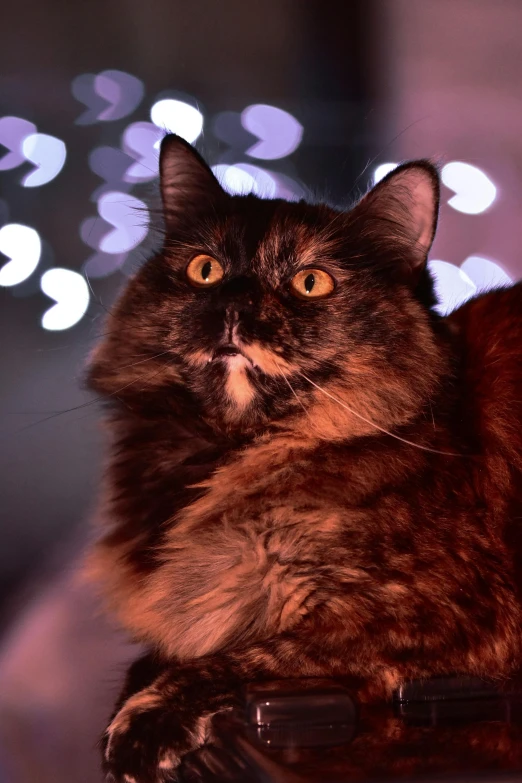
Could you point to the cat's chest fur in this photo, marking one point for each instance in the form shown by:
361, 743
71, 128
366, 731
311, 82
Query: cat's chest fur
283, 534
241, 561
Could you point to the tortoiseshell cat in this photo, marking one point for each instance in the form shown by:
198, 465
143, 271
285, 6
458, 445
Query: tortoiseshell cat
312, 473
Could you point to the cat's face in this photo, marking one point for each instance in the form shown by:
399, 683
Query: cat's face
253, 305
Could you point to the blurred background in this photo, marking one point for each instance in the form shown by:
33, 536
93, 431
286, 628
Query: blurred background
285, 98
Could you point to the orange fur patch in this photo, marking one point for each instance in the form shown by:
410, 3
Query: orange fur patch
198, 358
268, 361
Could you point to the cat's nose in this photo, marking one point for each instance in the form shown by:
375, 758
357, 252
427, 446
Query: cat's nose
240, 293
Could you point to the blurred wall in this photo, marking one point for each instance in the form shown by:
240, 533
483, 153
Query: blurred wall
454, 78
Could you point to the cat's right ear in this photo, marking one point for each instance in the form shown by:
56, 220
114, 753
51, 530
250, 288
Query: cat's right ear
189, 189
399, 217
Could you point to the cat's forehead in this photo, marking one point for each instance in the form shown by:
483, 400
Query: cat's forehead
270, 236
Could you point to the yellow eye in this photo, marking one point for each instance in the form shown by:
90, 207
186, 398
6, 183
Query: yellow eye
312, 284
204, 271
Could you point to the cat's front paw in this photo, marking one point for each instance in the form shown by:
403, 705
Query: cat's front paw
147, 739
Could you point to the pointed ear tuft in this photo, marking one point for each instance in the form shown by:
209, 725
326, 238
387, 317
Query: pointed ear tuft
401, 213
189, 189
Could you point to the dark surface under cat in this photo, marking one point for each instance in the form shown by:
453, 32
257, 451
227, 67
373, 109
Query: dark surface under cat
448, 729
312, 473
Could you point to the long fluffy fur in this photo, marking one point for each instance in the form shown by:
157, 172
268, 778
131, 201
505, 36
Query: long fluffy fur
261, 523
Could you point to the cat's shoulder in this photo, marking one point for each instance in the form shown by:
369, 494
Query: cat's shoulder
490, 315
489, 331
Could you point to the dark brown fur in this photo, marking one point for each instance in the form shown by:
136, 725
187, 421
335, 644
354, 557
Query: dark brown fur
350, 506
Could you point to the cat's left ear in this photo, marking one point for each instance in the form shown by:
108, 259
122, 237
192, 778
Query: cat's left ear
189, 189
400, 214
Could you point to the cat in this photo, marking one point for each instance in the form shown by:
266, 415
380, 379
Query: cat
311, 473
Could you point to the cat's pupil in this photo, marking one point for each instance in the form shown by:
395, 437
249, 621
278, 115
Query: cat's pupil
206, 270
309, 282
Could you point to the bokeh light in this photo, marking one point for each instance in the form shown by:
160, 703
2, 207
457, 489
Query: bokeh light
13, 131
25, 145
141, 141
101, 265
129, 217
279, 133
382, 170
455, 285
474, 191
242, 178
109, 95
110, 164
47, 153
173, 116
452, 286
70, 292
123, 225
485, 273
22, 245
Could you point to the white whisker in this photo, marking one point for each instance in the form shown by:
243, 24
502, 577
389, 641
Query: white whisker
376, 426
293, 392
142, 361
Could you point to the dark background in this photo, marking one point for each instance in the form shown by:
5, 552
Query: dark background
370, 82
